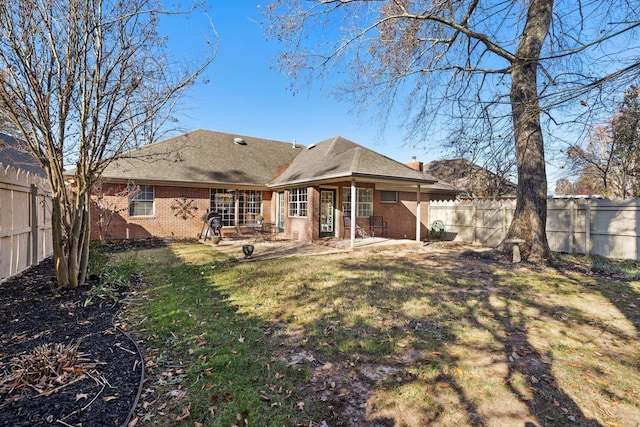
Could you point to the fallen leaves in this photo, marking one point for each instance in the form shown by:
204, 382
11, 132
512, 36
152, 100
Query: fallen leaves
184, 415
243, 417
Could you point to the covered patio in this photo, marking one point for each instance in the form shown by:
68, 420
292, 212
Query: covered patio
337, 189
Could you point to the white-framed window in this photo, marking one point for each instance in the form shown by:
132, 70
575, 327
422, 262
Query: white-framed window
298, 202
223, 201
141, 200
364, 201
388, 196
250, 205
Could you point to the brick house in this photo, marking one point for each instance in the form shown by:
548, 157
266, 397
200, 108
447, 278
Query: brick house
165, 189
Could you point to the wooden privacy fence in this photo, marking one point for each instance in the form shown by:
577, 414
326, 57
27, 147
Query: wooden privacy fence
610, 228
25, 221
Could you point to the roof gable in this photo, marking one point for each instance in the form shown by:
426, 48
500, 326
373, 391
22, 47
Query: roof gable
338, 157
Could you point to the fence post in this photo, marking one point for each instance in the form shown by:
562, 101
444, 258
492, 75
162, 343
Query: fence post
504, 220
475, 222
572, 226
33, 249
587, 228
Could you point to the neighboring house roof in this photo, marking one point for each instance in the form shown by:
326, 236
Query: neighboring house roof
215, 158
14, 153
471, 179
207, 158
444, 187
337, 158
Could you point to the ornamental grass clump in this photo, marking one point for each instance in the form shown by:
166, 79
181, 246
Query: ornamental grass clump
45, 370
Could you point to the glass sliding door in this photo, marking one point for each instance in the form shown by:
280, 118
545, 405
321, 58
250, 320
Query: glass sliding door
280, 211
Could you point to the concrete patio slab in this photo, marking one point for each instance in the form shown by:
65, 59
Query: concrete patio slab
272, 249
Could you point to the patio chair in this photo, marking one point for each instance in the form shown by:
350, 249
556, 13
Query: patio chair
244, 231
346, 226
378, 222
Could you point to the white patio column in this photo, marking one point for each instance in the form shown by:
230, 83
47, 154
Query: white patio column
418, 215
236, 205
354, 206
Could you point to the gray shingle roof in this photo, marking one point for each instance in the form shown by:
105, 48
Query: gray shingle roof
211, 158
337, 158
14, 153
208, 158
470, 178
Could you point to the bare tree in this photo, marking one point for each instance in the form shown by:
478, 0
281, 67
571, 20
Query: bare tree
611, 156
474, 180
80, 80
111, 200
564, 187
5, 126
440, 58
586, 184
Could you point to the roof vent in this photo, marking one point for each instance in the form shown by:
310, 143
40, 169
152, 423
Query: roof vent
311, 146
239, 141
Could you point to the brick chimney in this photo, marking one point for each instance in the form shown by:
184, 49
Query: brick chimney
414, 164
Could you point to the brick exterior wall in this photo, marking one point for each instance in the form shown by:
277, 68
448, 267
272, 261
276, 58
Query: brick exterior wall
179, 212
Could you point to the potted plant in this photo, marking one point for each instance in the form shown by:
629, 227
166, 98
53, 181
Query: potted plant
259, 219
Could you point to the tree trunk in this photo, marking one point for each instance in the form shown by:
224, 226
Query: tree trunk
530, 218
71, 248
85, 240
59, 243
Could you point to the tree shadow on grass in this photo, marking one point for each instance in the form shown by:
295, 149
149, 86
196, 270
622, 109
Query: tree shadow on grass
420, 344
545, 398
386, 339
616, 288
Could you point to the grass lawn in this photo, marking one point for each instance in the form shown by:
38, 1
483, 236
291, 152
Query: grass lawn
385, 338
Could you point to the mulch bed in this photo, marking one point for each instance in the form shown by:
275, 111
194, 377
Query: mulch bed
99, 388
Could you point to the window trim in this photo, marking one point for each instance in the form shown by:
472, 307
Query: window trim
365, 207
249, 203
138, 200
395, 198
298, 202
228, 213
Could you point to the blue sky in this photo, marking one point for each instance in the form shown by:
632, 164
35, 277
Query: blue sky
247, 95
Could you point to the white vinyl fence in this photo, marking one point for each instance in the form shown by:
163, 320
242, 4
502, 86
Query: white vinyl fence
25, 221
610, 228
